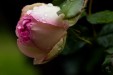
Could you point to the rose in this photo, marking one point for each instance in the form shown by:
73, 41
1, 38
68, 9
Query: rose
41, 32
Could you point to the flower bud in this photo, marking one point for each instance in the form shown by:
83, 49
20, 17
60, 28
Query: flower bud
41, 32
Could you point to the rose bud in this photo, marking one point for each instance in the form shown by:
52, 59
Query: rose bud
41, 32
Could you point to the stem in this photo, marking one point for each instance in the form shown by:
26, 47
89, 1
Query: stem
90, 9
81, 38
90, 6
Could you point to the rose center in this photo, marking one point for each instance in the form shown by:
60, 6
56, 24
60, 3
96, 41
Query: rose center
24, 33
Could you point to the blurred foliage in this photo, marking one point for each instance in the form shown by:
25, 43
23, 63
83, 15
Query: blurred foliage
106, 36
91, 40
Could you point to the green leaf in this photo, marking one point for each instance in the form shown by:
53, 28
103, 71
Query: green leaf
101, 17
106, 36
72, 8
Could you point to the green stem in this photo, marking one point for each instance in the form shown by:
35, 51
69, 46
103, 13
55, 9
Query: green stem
90, 12
81, 38
90, 7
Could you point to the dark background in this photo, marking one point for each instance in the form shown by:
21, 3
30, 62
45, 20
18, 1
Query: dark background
10, 11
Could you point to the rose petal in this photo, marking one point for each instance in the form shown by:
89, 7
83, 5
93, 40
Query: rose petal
30, 50
48, 15
45, 36
30, 7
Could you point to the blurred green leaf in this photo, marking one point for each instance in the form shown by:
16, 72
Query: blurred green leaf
107, 60
106, 36
107, 29
101, 17
110, 50
106, 41
108, 64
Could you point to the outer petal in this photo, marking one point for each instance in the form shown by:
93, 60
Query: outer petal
48, 15
30, 7
54, 52
45, 36
30, 50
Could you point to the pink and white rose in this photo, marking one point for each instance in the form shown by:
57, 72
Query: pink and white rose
41, 32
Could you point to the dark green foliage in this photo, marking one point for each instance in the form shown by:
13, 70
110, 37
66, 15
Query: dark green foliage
106, 35
91, 41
